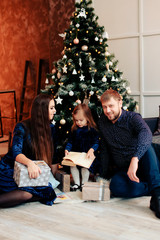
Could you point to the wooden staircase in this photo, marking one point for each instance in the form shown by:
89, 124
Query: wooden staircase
34, 86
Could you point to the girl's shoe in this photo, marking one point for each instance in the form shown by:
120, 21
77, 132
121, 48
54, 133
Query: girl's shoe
74, 188
81, 187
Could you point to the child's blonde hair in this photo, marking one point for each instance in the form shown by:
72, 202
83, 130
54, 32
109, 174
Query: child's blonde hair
87, 114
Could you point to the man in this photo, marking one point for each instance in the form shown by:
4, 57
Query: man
126, 149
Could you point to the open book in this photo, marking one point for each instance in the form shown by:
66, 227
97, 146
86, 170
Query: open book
77, 158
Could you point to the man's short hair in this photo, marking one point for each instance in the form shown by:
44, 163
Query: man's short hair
109, 94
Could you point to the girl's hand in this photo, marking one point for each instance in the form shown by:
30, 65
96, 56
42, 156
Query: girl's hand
90, 153
66, 152
33, 170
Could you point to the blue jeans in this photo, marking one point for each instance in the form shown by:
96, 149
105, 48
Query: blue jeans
148, 173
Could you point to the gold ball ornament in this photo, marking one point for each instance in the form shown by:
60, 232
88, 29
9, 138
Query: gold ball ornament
62, 121
84, 48
76, 41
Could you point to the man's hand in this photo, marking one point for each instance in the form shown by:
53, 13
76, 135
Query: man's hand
133, 169
33, 170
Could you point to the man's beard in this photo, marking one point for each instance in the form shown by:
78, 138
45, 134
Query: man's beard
117, 116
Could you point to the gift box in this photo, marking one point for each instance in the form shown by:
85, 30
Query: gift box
64, 180
96, 191
22, 178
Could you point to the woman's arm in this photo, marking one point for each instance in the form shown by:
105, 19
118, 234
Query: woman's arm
19, 137
33, 169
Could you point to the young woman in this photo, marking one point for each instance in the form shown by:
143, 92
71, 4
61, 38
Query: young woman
84, 138
33, 139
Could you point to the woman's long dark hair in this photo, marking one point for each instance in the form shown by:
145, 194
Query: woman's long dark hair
40, 130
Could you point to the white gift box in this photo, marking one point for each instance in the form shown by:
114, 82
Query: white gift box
22, 178
96, 191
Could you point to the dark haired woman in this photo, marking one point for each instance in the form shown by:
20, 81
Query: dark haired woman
33, 139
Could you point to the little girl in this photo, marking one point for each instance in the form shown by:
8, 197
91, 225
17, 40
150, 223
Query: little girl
84, 138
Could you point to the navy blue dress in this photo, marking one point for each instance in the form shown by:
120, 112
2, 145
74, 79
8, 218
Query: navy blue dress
22, 144
81, 140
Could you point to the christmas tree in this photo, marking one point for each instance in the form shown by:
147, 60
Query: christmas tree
85, 71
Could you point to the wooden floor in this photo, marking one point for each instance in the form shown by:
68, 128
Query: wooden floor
75, 219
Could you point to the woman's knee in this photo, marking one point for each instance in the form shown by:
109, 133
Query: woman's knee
25, 196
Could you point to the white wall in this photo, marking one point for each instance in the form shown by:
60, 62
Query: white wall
134, 37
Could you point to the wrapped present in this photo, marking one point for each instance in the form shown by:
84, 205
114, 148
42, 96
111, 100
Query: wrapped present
96, 191
22, 178
64, 180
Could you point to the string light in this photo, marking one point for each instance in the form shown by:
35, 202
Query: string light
87, 31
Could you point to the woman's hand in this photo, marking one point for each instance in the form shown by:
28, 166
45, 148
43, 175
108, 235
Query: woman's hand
133, 169
90, 154
66, 152
33, 170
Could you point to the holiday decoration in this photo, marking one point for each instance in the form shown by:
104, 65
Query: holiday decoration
62, 35
71, 93
82, 13
58, 100
62, 121
104, 79
82, 77
47, 81
78, 101
91, 92
64, 69
84, 47
80, 62
76, 41
58, 75
74, 72
85, 71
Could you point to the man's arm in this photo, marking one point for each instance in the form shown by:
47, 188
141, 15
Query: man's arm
144, 141
144, 135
